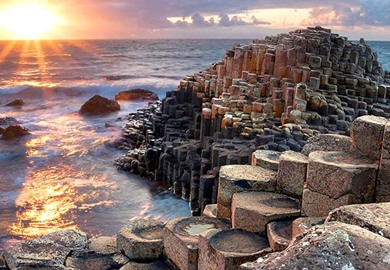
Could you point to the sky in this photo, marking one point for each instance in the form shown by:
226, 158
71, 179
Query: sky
124, 19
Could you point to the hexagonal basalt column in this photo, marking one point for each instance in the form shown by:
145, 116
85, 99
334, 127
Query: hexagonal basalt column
252, 211
279, 234
181, 239
142, 240
227, 250
239, 178
266, 158
335, 179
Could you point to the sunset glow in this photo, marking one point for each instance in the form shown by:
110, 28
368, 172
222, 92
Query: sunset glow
29, 20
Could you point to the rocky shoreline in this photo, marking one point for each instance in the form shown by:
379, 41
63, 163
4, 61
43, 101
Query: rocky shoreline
282, 148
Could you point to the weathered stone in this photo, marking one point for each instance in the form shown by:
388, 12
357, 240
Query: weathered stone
141, 240
279, 234
145, 266
367, 135
335, 179
89, 260
331, 246
181, 239
327, 142
252, 211
292, 173
14, 131
103, 245
266, 158
238, 178
99, 105
210, 211
382, 190
374, 217
136, 95
227, 250
50, 250
303, 224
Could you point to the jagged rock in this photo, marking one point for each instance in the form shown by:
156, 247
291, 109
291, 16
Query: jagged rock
228, 249
14, 131
252, 211
279, 234
292, 173
335, 246
367, 135
48, 251
181, 237
327, 142
145, 266
15, 103
303, 224
239, 178
141, 240
335, 179
99, 105
373, 217
266, 159
136, 95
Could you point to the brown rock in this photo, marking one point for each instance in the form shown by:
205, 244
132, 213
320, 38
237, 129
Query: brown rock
266, 158
252, 211
99, 105
279, 234
332, 246
210, 211
145, 266
15, 103
227, 250
14, 131
382, 190
136, 95
303, 224
327, 142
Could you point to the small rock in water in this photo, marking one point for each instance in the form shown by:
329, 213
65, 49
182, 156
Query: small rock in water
15, 103
136, 94
14, 131
99, 105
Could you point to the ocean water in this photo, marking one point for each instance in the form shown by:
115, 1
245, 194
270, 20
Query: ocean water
62, 175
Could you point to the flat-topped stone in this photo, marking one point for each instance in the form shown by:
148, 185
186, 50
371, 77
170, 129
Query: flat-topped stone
103, 245
331, 246
327, 142
292, 173
302, 225
181, 237
239, 178
252, 211
266, 158
210, 211
279, 234
374, 217
141, 240
228, 249
367, 135
335, 179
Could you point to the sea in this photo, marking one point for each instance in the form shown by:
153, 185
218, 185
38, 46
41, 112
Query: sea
62, 176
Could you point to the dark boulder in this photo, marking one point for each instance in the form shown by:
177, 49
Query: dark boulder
136, 95
14, 131
7, 121
99, 105
15, 103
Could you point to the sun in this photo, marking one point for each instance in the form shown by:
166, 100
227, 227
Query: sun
29, 20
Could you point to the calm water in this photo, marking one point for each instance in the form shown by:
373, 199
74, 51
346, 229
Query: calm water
62, 176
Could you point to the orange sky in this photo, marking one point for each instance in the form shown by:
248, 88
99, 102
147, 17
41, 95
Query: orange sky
101, 19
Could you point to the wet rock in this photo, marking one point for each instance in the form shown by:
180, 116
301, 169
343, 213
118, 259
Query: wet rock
181, 237
136, 95
15, 103
14, 131
327, 142
48, 251
252, 211
228, 249
99, 105
373, 217
141, 240
332, 246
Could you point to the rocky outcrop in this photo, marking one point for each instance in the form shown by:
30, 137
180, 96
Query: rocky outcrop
13, 132
136, 95
98, 105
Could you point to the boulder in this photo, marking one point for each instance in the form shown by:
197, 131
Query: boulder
15, 103
89, 260
335, 246
136, 95
99, 105
14, 131
266, 158
374, 217
141, 240
47, 251
103, 245
327, 142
